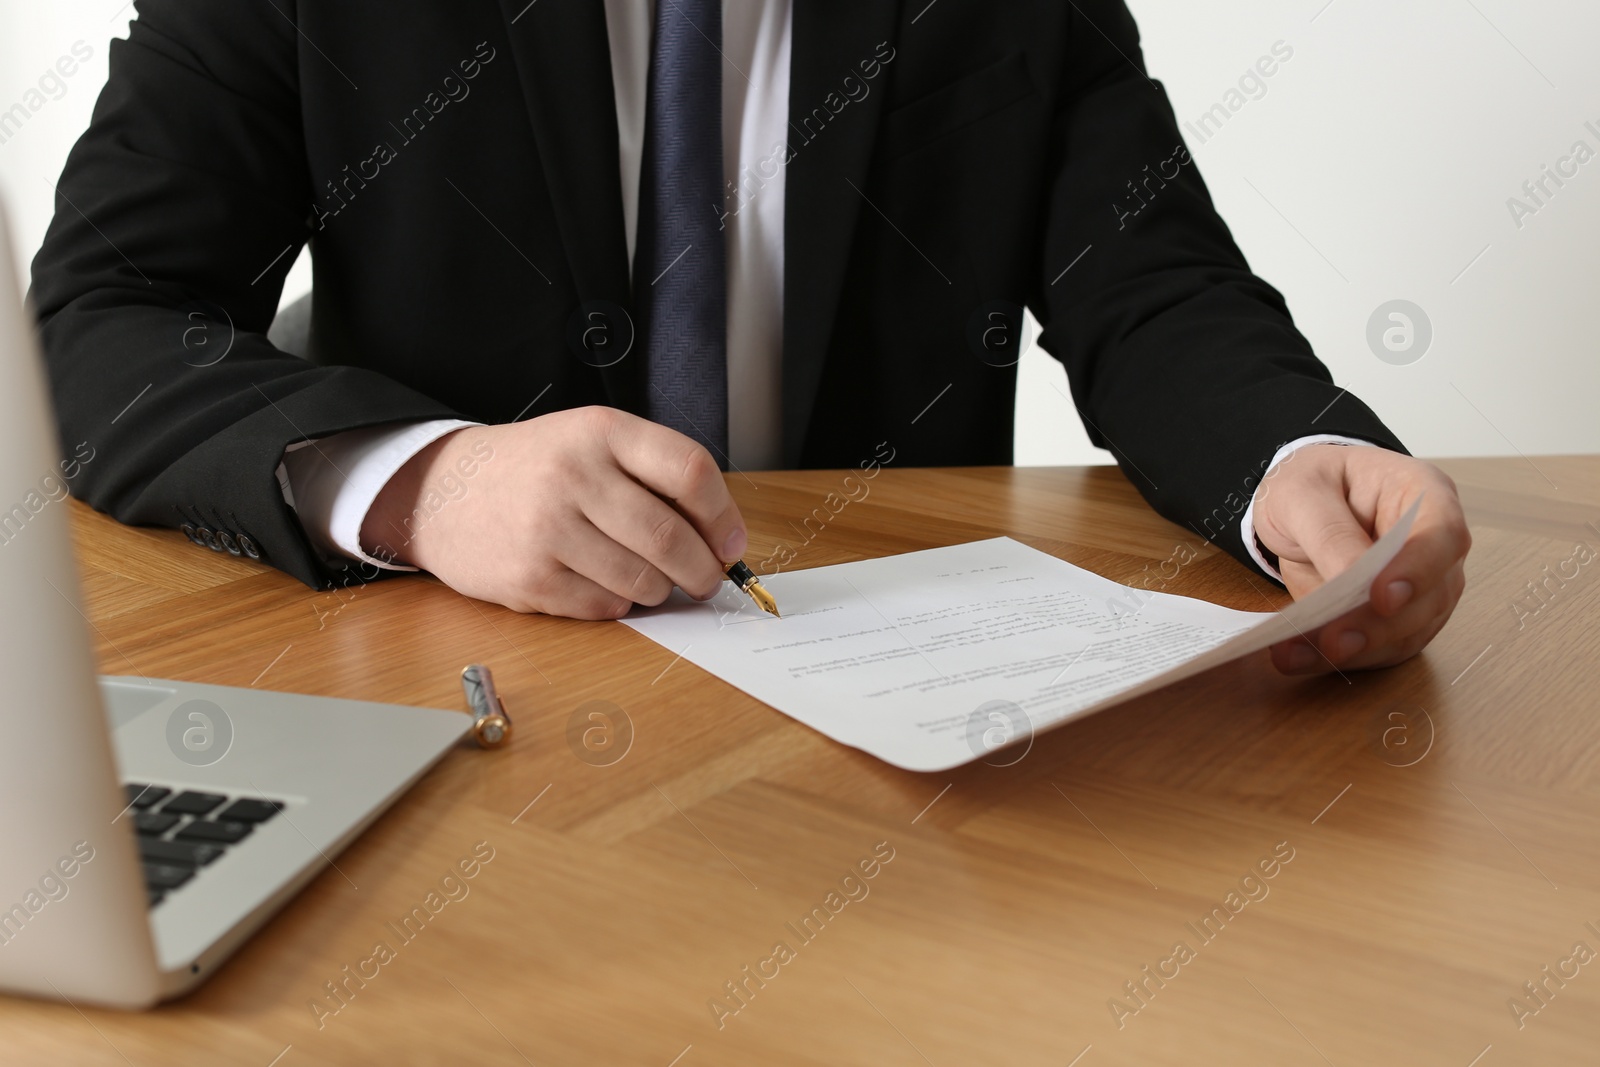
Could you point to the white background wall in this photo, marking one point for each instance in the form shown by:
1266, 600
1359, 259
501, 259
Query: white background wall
1376, 165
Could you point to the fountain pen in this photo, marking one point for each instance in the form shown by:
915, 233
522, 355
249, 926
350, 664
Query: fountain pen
745, 578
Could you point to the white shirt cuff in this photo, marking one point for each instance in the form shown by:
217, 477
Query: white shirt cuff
331, 482
1247, 526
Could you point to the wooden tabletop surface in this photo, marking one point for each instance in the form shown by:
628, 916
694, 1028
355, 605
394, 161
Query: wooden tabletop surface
1360, 869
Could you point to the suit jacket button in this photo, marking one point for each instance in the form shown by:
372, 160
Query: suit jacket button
189, 532
228, 542
248, 546
208, 537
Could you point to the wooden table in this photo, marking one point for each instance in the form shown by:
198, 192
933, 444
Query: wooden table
1442, 819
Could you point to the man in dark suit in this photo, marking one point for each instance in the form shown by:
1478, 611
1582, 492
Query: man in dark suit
680, 236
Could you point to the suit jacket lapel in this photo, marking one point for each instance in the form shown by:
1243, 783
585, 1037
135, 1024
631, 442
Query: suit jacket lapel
824, 184
563, 59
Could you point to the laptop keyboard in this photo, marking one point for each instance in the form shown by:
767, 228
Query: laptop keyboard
180, 832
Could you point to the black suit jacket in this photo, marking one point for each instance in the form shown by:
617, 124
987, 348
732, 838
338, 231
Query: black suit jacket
455, 170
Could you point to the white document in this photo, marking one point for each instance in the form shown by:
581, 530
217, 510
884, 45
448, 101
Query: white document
932, 659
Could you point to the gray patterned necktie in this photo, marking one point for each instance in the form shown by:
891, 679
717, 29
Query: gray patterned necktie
679, 265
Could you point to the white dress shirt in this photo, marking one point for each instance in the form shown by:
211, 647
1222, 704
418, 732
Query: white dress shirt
332, 486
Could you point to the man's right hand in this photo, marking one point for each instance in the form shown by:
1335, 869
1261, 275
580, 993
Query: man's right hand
582, 513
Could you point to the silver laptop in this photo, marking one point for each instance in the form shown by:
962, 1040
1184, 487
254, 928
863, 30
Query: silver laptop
151, 826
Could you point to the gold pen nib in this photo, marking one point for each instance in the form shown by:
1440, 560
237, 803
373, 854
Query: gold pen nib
745, 578
759, 594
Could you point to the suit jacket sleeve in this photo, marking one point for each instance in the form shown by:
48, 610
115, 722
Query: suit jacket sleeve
1183, 363
178, 214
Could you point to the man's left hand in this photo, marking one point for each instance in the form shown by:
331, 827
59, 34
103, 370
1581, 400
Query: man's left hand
1323, 506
